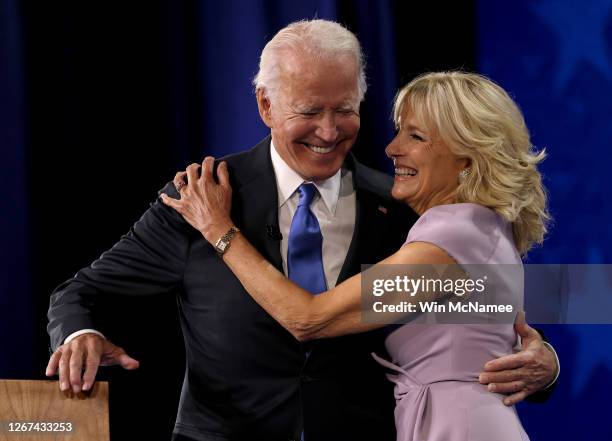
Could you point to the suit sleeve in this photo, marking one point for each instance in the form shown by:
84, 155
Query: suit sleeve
149, 259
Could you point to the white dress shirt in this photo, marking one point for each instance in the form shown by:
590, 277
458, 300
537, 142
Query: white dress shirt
334, 207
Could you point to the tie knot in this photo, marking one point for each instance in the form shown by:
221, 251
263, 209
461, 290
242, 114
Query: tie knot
307, 192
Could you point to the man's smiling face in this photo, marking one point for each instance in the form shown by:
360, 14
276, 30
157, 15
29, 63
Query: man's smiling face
314, 117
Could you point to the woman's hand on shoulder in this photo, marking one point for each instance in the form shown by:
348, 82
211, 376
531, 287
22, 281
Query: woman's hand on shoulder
204, 204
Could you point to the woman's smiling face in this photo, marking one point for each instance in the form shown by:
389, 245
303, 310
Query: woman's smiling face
426, 171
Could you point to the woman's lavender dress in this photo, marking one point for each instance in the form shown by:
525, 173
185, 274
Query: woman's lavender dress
437, 365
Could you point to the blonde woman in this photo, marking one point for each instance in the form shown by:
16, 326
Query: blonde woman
464, 162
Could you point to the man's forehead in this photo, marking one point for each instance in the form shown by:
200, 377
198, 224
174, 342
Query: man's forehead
307, 90
299, 102
306, 98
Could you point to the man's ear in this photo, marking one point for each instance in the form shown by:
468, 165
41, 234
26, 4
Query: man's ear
263, 104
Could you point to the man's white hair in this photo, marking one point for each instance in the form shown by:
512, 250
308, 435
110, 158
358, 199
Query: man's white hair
321, 39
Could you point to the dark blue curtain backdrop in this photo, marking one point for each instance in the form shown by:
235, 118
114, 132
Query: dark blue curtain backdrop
16, 305
555, 57
101, 103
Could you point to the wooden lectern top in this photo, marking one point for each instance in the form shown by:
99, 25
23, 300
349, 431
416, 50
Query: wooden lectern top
39, 411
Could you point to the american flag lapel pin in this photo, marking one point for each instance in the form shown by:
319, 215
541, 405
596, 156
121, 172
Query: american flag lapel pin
382, 209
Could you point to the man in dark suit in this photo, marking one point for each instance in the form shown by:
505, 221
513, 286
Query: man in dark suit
246, 377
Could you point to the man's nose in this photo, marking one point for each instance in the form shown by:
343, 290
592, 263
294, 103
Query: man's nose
327, 129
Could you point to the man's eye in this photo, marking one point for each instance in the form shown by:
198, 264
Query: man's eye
309, 113
346, 111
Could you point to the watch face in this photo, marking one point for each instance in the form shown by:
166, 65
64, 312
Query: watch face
221, 246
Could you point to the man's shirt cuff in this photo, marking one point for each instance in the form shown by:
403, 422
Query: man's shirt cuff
93, 331
551, 349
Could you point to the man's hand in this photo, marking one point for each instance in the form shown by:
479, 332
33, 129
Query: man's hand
86, 351
523, 373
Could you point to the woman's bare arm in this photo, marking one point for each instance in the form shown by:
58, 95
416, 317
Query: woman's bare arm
338, 311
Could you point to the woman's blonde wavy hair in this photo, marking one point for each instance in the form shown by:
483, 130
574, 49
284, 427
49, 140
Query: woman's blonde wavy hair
478, 120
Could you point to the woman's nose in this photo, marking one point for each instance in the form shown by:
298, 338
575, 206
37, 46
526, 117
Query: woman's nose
391, 149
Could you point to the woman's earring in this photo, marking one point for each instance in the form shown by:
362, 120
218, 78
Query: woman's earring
463, 174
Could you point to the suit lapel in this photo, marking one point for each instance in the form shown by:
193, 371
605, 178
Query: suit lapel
370, 221
256, 203
369, 225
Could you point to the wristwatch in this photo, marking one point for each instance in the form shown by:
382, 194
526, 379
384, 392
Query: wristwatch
223, 243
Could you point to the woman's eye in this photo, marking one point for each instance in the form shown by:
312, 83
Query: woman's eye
416, 137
